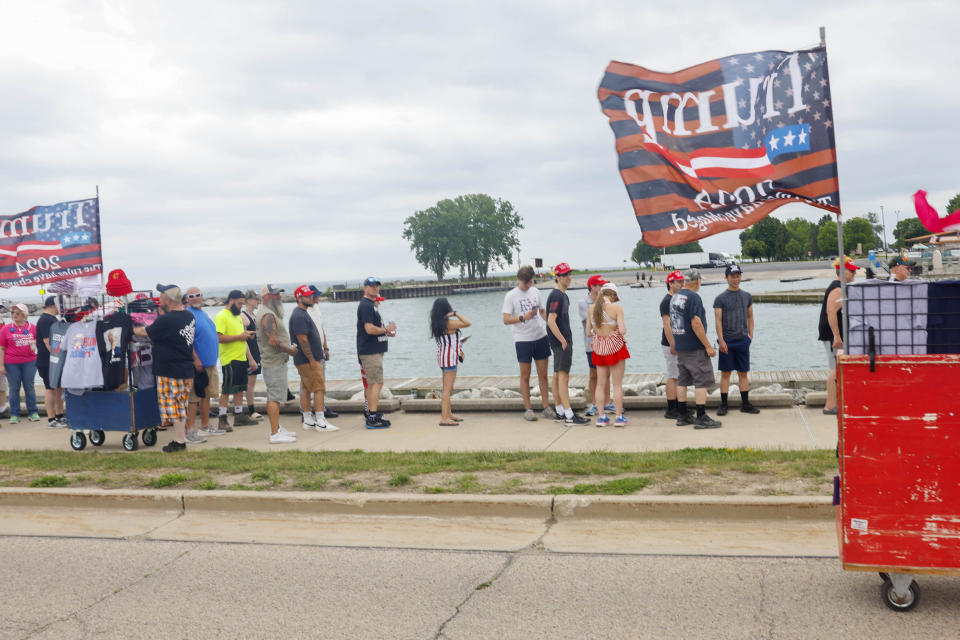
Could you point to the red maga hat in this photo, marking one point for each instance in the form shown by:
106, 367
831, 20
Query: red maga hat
562, 269
304, 291
118, 284
592, 281
674, 275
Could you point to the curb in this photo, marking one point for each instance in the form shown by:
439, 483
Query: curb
561, 507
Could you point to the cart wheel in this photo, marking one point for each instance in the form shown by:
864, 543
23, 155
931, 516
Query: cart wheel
890, 598
97, 437
884, 576
130, 441
149, 437
77, 440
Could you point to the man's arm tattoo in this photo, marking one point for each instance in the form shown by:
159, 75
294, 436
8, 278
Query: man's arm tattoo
305, 346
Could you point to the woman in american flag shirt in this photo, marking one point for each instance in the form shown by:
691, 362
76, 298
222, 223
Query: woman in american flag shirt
445, 326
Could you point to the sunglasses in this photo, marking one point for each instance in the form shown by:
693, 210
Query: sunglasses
194, 295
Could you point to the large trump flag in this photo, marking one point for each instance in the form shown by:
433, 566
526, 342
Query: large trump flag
720, 145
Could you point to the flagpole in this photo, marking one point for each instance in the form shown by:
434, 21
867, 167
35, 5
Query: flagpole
101, 240
841, 255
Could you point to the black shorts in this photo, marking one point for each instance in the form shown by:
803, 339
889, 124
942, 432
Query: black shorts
590, 360
43, 368
235, 377
562, 358
532, 350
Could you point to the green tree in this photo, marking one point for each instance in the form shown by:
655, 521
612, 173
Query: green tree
794, 249
909, 228
471, 232
754, 248
645, 253
827, 238
690, 247
859, 231
954, 204
801, 231
774, 235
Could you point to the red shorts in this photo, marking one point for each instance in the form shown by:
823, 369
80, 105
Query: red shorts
612, 359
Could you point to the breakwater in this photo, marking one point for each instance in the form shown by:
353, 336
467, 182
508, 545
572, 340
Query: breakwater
424, 290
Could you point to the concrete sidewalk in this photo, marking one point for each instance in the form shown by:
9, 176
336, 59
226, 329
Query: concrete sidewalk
798, 427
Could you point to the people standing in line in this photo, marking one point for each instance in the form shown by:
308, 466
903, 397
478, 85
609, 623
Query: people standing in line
445, 326
372, 335
561, 342
309, 361
525, 315
18, 361
248, 317
900, 269
667, 344
53, 396
688, 320
206, 349
830, 327
235, 360
317, 315
583, 307
275, 350
733, 309
608, 327
172, 335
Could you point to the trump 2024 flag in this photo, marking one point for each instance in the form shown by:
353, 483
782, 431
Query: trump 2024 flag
720, 145
46, 244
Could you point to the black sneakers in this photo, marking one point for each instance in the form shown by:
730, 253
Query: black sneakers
377, 421
685, 419
672, 414
558, 417
174, 446
706, 422
722, 410
576, 420
747, 408
330, 413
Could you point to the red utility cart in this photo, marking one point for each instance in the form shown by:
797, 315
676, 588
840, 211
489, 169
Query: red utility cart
899, 483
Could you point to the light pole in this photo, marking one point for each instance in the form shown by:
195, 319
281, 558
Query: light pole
883, 221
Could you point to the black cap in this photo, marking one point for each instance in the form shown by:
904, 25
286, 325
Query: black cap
236, 294
371, 282
731, 269
316, 290
164, 287
50, 301
900, 260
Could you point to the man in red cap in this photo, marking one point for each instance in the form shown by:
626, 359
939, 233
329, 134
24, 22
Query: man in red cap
674, 284
594, 283
309, 360
830, 329
561, 342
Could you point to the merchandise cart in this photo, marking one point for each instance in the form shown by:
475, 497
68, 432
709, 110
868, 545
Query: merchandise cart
132, 411
898, 493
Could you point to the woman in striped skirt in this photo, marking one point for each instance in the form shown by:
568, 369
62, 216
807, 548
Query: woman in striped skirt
445, 326
606, 323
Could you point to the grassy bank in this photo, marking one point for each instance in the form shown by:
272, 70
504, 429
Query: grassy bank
688, 471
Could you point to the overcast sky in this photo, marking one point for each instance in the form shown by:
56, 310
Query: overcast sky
241, 142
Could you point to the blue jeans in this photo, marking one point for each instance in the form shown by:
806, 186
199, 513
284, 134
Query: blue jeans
22, 372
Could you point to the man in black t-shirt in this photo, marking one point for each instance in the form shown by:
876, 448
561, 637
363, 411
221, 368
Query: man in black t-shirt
309, 360
172, 335
53, 397
561, 342
372, 337
674, 284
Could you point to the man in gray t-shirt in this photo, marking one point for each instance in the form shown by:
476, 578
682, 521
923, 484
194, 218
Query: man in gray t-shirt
734, 313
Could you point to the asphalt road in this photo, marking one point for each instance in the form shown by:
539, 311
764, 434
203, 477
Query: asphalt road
92, 588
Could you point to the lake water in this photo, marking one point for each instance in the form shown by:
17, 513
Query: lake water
785, 335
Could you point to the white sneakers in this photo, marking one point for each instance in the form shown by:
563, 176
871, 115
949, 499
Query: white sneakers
281, 437
318, 422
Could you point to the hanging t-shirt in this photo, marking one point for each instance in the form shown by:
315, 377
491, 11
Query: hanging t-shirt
58, 332
113, 335
141, 363
172, 336
20, 343
44, 322
82, 368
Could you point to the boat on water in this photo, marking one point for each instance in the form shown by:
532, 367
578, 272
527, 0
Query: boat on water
796, 279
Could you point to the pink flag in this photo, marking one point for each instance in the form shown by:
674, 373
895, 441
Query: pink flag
929, 217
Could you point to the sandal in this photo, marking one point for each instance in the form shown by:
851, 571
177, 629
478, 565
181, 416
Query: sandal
456, 418
450, 423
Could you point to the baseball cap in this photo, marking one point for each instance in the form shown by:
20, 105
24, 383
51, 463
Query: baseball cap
22, 308
236, 294
269, 289
674, 275
732, 269
562, 269
304, 291
594, 280
172, 291
316, 290
50, 301
848, 263
609, 286
371, 282
900, 260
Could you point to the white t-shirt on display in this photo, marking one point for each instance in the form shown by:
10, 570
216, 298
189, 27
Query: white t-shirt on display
518, 302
